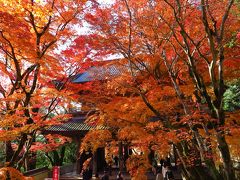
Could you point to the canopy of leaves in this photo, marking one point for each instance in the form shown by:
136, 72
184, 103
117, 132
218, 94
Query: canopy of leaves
232, 97
176, 56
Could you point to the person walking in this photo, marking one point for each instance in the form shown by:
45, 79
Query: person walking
159, 174
169, 174
105, 176
164, 170
87, 174
119, 176
116, 161
96, 177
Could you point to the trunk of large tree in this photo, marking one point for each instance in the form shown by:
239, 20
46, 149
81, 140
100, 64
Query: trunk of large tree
9, 151
211, 167
30, 161
15, 155
83, 157
195, 172
58, 157
120, 153
228, 170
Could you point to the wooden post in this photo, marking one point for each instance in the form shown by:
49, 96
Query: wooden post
94, 163
78, 155
126, 154
120, 153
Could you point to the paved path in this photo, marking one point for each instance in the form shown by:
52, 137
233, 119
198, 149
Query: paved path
150, 175
126, 176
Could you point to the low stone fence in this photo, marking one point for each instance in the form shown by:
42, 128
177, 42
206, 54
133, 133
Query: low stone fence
38, 174
68, 169
45, 173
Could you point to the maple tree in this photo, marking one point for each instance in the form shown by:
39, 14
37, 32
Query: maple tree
165, 46
53, 147
11, 173
164, 89
31, 35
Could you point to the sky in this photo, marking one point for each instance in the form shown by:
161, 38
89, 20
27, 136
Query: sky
106, 1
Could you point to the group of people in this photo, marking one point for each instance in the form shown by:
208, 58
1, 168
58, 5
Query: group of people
88, 175
106, 176
164, 171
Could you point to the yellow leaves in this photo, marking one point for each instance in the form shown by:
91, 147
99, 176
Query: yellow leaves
137, 166
123, 111
197, 118
9, 172
29, 35
95, 139
17, 95
111, 150
159, 140
7, 135
132, 133
86, 163
188, 89
52, 142
234, 144
10, 120
233, 133
48, 94
57, 119
162, 141
233, 118
23, 18
12, 5
13, 132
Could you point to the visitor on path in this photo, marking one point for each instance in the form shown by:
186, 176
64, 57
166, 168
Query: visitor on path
161, 162
168, 161
119, 176
159, 174
87, 174
97, 177
116, 160
169, 174
154, 166
105, 176
164, 170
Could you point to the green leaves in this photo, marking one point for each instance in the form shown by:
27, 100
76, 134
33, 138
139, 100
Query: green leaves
232, 97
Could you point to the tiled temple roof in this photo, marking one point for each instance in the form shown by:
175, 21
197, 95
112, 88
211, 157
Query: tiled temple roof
99, 73
106, 70
75, 125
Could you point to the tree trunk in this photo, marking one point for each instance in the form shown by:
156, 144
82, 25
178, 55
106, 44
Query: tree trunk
94, 168
9, 151
56, 158
18, 151
225, 155
62, 154
120, 153
30, 161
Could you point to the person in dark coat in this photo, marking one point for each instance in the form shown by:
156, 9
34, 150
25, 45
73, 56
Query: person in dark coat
119, 176
105, 176
169, 174
87, 174
97, 176
162, 162
116, 160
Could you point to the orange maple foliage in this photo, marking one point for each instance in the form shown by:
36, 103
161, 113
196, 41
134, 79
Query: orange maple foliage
11, 173
176, 55
33, 73
52, 142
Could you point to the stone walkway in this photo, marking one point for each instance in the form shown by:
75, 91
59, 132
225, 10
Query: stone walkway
126, 176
